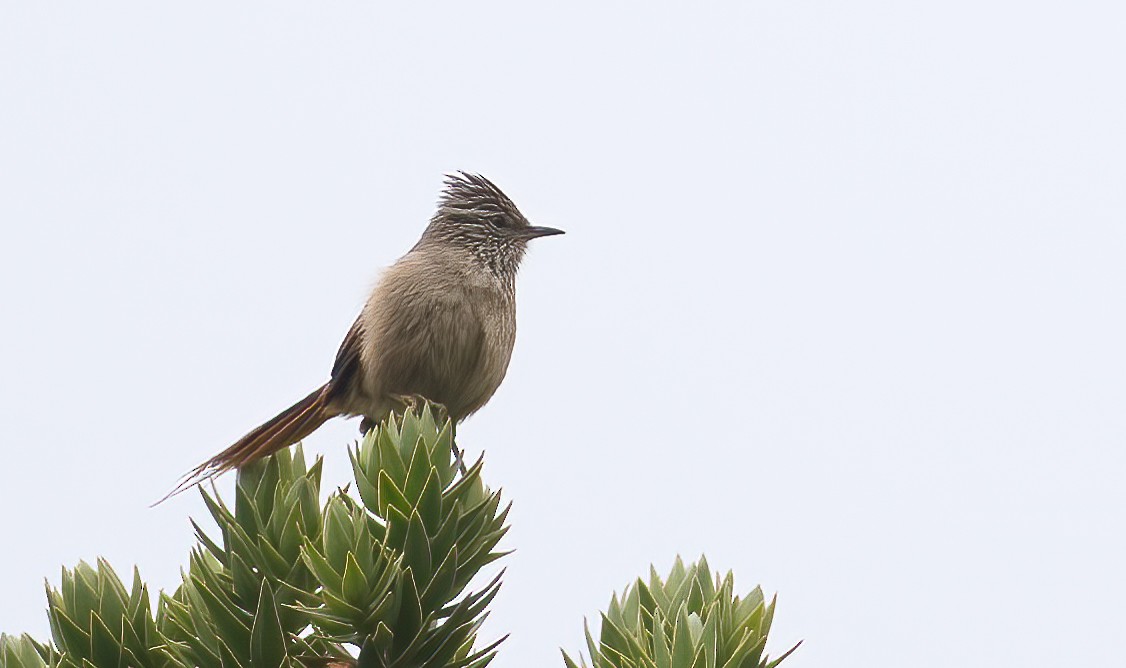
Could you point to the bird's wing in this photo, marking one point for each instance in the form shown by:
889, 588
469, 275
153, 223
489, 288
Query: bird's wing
346, 368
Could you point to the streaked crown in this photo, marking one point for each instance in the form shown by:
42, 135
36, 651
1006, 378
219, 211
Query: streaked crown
472, 196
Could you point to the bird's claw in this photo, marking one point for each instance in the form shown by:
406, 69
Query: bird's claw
458, 459
416, 402
410, 401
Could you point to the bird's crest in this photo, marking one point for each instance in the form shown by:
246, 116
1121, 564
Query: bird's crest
468, 194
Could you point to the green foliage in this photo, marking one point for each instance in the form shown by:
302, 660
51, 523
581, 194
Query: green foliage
237, 591
375, 580
378, 581
23, 652
391, 566
687, 620
96, 621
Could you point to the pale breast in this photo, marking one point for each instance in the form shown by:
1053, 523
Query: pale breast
436, 328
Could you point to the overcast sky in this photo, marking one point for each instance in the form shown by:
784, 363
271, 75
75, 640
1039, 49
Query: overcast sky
840, 302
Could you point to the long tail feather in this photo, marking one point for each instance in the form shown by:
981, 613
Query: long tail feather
281, 431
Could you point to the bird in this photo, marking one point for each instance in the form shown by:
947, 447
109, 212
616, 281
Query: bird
439, 325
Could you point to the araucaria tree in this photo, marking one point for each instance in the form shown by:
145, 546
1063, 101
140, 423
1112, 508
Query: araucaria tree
375, 577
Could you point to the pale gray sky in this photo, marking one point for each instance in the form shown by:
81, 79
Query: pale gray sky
840, 303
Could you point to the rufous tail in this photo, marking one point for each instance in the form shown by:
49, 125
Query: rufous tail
281, 431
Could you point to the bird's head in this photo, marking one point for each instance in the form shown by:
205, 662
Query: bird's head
473, 213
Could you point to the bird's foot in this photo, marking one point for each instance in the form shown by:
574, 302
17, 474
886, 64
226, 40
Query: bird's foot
415, 402
458, 458
412, 402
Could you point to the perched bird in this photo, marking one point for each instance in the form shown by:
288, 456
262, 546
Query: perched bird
440, 324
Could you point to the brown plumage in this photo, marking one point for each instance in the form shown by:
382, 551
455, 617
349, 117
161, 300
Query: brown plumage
440, 324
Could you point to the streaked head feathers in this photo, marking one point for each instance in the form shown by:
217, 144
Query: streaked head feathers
473, 196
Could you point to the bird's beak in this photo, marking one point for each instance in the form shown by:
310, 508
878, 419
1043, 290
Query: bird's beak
535, 232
